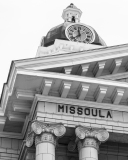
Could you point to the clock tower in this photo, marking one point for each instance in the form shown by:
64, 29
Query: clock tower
69, 32
70, 102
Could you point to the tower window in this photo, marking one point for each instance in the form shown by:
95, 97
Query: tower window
73, 19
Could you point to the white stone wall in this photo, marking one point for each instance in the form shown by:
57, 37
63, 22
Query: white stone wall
9, 148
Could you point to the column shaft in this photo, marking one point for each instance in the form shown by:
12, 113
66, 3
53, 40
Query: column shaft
45, 147
88, 149
88, 141
45, 151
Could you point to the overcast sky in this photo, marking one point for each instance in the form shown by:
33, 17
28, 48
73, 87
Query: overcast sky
24, 22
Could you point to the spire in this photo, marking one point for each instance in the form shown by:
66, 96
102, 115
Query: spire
72, 14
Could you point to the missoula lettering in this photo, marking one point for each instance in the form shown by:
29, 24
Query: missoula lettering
84, 111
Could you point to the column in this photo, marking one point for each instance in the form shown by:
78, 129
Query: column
88, 141
45, 136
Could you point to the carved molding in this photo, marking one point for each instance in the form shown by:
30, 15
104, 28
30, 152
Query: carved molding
42, 132
83, 69
68, 69
82, 91
30, 139
64, 88
16, 118
117, 95
25, 94
39, 127
100, 134
100, 93
88, 142
90, 137
115, 65
64, 47
46, 86
98, 69
45, 137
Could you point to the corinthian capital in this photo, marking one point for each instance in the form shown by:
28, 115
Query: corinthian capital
101, 134
38, 128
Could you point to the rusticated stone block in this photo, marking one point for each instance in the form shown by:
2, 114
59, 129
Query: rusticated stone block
3, 150
6, 143
20, 142
11, 151
5, 155
15, 155
15, 144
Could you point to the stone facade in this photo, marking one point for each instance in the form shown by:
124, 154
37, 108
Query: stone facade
9, 148
70, 102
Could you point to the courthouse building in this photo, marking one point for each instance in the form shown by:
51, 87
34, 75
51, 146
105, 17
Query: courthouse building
70, 102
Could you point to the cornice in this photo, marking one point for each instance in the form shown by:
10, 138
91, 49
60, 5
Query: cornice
31, 65
7, 90
74, 58
9, 87
67, 77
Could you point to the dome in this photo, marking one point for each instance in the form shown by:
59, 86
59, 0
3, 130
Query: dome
81, 33
58, 32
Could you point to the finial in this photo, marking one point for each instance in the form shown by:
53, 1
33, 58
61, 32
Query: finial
71, 5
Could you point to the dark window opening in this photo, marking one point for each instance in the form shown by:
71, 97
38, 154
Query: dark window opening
73, 19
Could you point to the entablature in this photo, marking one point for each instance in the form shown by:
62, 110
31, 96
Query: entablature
30, 77
91, 63
26, 84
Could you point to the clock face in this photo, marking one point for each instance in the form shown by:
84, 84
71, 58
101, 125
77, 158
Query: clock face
80, 33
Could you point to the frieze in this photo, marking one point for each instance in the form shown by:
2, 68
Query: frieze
83, 110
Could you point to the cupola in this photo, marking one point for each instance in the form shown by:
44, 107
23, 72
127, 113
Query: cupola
71, 14
71, 35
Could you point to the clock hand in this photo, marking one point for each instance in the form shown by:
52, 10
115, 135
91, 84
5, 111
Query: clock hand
78, 35
79, 31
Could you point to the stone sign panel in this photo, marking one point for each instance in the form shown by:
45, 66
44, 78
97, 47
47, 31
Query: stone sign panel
84, 111
73, 115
